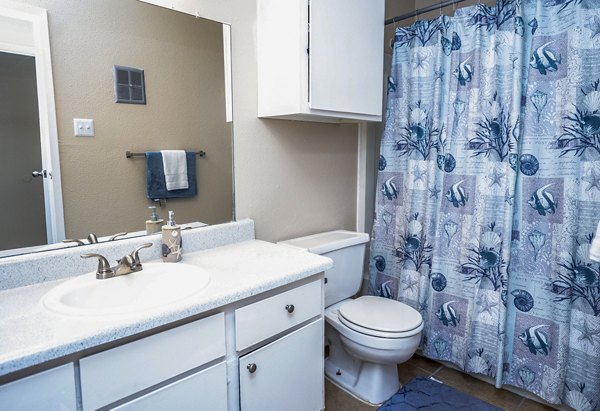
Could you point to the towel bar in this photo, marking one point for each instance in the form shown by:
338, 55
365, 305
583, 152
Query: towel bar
130, 154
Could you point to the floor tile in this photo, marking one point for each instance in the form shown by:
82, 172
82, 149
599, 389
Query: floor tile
337, 399
409, 370
424, 363
477, 388
529, 405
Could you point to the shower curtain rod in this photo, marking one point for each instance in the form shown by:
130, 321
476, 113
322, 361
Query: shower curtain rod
422, 10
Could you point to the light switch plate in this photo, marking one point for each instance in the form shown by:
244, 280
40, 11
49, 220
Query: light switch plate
83, 127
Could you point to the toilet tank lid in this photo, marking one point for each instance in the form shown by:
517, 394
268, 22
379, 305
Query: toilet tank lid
325, 242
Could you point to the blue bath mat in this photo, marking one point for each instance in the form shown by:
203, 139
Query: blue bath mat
425, 394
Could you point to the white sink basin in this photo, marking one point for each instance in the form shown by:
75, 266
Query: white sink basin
157, 286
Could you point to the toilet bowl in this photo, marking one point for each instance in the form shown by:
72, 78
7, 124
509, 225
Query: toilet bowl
366, 337
363, 355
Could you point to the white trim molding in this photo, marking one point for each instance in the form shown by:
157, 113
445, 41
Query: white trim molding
361, 180
40, 49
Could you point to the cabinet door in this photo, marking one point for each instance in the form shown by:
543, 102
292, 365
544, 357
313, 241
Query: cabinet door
48, 390
346, 55
287, 374
203, 391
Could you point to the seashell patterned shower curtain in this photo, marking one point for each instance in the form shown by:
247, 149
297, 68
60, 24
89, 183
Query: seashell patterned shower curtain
489, 192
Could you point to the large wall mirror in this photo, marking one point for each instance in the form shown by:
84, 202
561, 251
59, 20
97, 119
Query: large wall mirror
188, 94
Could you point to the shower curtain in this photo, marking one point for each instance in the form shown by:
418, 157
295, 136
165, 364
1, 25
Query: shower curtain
489, 192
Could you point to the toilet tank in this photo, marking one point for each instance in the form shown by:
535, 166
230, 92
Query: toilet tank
347, 250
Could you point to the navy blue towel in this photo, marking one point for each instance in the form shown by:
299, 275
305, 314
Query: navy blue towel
424, 394
155, 177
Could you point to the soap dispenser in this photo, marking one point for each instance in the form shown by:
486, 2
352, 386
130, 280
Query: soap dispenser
154, 224
171, 240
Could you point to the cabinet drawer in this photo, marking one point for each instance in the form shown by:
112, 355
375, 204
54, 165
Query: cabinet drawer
49, 390
270, 316
116, 373
205, 390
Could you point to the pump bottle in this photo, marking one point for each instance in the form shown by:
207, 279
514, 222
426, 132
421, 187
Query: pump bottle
171, 240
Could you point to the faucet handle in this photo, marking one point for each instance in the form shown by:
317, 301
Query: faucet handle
92, 238
135, 254
104, 270
114, 237
73, 240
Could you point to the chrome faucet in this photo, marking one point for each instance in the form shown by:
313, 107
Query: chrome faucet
129, 263
92, 239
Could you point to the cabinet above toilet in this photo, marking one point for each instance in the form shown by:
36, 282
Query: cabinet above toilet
320, 60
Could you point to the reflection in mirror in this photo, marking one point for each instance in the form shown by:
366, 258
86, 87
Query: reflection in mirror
103, 191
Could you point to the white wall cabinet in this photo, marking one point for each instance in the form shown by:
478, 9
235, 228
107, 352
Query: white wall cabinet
320, 60
286, 374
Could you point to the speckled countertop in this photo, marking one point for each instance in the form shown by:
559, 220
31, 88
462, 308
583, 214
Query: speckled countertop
29, 335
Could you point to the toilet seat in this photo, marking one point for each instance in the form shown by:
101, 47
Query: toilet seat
380, 317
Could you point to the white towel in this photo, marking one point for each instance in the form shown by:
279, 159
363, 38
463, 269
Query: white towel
595, 247
175, 168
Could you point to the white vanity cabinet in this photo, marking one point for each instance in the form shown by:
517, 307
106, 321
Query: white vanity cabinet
112, 375
260, 353
53, 389
320, 60
285, 374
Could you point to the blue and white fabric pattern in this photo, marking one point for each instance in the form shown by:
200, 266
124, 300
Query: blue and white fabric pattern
489, 192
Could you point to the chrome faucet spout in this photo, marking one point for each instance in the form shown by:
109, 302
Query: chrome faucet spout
124, 266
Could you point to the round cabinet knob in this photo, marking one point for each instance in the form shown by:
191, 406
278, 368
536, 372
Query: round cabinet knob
289, 308
251, 367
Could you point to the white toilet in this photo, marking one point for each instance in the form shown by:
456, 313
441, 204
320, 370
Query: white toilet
365, 337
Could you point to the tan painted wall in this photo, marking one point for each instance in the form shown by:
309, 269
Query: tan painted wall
182, 57
293, 178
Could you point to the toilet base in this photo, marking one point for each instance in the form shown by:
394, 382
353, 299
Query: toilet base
374, 383
370, 382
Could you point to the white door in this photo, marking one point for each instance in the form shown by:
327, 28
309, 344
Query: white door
32, 206
20, 154
286, 374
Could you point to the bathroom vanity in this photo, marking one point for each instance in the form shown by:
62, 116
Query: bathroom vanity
252, 339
